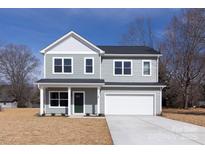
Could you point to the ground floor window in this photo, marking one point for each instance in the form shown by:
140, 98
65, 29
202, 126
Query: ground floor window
58, 98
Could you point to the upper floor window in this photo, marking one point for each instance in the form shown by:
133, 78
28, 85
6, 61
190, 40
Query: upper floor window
146, 68
88, 66
62, 65
67, 65
58, 65
122, 67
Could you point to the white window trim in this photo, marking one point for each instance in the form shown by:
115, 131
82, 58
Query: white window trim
62, 58
85, 58
58, 100
122, 60
150, 61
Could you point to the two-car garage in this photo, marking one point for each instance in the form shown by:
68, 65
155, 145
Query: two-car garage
130, 103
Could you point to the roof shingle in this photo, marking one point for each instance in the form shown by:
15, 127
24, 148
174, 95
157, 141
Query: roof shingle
128, 50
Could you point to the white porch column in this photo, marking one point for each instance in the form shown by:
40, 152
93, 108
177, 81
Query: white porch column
98, 100
69, 101
41, 100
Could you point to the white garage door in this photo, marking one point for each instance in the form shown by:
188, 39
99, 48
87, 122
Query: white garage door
129, 104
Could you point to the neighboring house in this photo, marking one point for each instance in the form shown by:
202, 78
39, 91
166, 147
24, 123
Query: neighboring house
8, 104
6, 101
80, 78
201, 103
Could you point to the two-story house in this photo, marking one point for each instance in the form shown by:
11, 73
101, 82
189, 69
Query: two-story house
80, 78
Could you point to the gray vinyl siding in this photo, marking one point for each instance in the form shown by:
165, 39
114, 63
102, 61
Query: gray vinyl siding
91, 98
107, 70
90, 101
8, 105
129, 90
78, 66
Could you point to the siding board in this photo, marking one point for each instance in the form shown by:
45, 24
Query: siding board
78, 66
107, 71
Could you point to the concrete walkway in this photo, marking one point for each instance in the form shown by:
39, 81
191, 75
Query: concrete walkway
148, 130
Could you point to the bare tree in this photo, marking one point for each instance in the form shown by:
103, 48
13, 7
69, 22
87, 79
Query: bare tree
184, 48
139, 33
150, 33
17, 65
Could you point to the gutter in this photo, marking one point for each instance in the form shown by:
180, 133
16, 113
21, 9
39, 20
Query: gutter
130, 55
138, 86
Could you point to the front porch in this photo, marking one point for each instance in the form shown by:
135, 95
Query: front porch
70, 96
69, 100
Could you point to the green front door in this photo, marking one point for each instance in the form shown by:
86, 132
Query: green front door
78, 102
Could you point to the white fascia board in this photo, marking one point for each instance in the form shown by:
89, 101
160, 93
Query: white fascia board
67, 35
130, 55
70, 84
70, 52
95, 85
147, 86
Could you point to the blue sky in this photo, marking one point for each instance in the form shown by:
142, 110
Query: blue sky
37, 28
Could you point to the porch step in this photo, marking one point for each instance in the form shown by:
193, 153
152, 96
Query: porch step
82, 116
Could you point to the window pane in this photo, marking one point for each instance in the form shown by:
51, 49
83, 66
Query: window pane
58, 69
127, 71
63, 102
67, 69
89, 69
118, 64
118, 71
89, 62
58, 62
54, 95
127, 64
146, 68
67, 62
54, 102
147, 64
63, 95
118, 67
147, 72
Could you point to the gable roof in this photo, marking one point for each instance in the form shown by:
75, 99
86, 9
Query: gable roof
128, 50
104, 49
78, 37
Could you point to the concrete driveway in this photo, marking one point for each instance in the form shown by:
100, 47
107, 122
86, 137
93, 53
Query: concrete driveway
153, 130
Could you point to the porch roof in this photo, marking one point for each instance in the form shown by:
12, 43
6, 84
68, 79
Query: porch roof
95, 82
70, 81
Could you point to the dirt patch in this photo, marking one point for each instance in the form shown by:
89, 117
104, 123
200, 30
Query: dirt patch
193, 115
23, 126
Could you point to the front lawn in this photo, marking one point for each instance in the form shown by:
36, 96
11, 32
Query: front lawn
23, 126
192, 115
